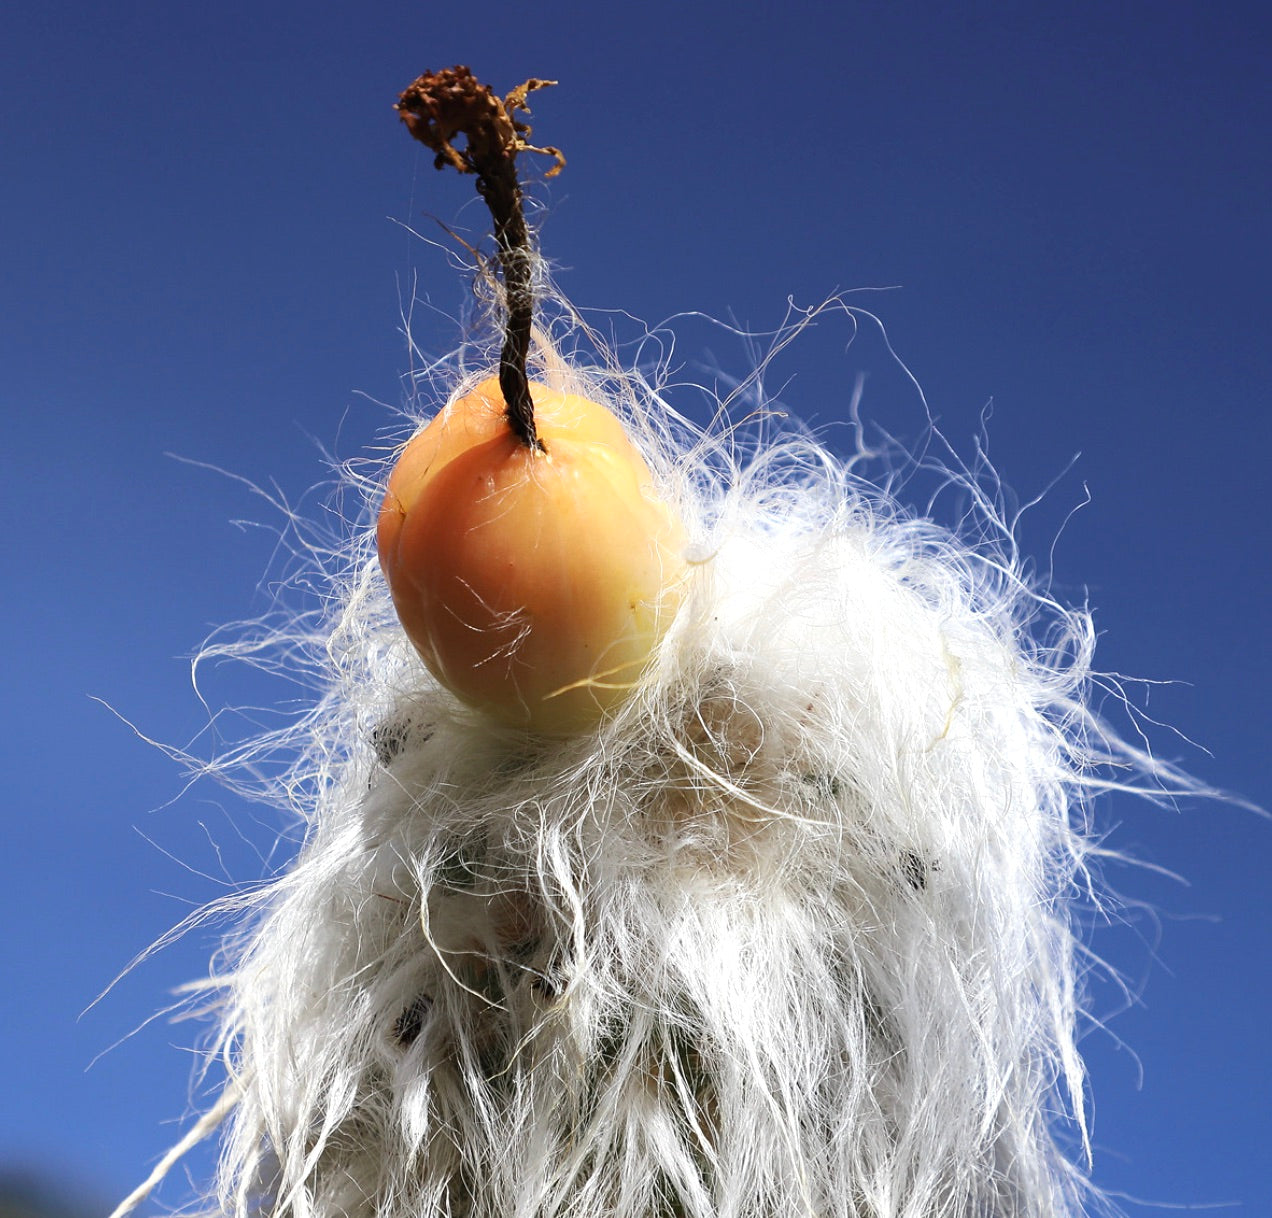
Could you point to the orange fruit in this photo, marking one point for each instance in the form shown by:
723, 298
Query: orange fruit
534, 584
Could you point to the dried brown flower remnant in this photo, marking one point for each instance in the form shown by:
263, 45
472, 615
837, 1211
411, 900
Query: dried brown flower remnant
438, 108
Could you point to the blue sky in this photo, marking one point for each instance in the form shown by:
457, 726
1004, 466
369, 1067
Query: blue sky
204, 256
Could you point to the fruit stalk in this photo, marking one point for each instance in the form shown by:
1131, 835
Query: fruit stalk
436, 108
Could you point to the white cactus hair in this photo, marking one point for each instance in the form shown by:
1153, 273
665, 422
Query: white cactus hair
791, 934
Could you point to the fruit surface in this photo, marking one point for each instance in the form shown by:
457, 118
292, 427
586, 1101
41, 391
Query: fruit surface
534, 584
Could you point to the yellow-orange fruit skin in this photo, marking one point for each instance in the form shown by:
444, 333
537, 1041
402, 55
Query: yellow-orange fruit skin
534, 585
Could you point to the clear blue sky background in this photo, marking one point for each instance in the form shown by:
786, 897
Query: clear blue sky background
200, 257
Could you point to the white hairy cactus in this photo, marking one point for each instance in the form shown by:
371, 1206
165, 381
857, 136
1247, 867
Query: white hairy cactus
788, 933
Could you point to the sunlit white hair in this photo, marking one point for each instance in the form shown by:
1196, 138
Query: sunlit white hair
789, 935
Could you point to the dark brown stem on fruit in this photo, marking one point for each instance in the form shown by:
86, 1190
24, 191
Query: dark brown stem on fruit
436, 109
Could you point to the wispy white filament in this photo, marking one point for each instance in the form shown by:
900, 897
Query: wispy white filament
790, 935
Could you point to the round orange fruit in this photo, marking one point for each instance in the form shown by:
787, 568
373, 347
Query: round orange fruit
535, 584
